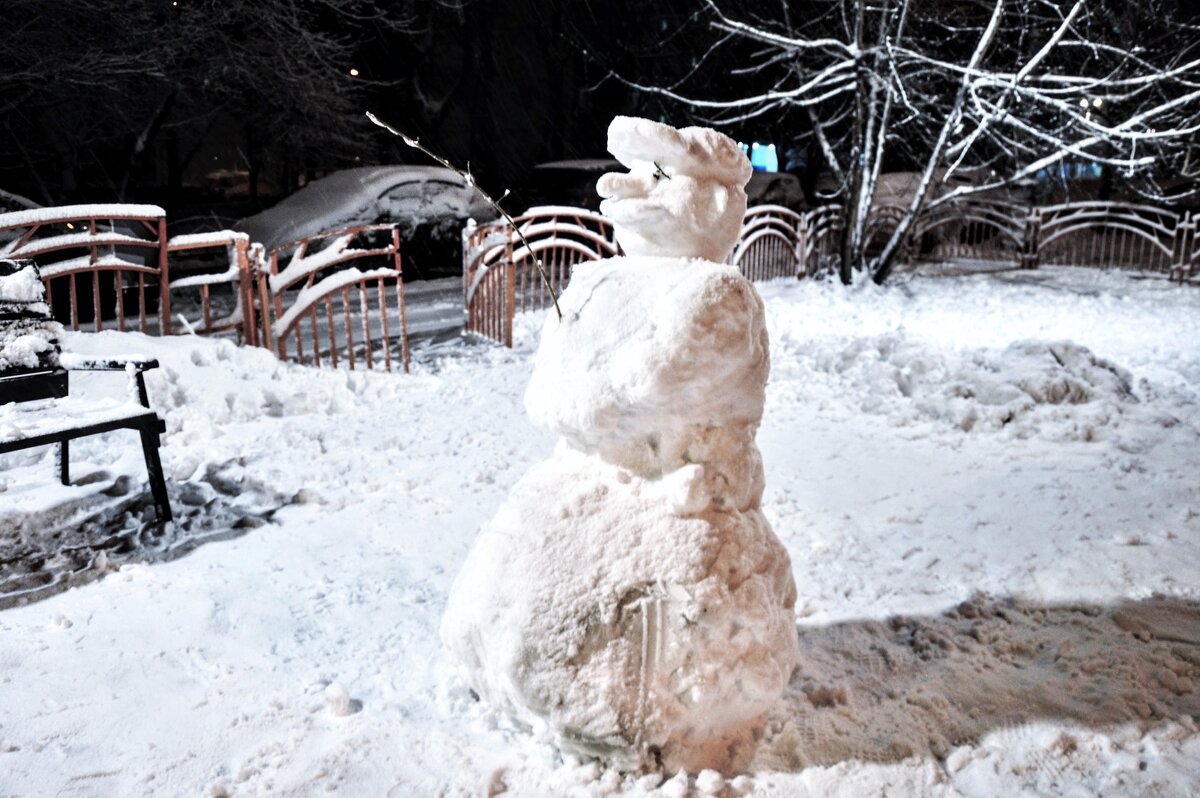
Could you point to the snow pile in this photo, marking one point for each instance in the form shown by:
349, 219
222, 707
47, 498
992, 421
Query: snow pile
22, 286
1058, 390
28, 338
630, 598
684, 195
386, 479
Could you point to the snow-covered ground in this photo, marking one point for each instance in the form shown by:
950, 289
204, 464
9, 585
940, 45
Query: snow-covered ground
995, 535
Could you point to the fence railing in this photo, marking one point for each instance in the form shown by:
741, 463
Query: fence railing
96, 261
216, 302
308, 300
775, 242
318, 281
500, 274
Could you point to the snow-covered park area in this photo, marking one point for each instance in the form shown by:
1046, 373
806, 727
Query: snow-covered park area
989, 487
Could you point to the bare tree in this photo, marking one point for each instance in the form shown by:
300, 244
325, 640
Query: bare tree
94, 86
974, 96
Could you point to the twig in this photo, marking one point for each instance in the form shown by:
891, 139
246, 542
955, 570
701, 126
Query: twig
470, 181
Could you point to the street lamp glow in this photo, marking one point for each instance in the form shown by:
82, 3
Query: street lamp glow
353, 72
1097, 102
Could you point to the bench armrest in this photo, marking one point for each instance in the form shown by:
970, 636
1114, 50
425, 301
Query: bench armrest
138, 363
133, 365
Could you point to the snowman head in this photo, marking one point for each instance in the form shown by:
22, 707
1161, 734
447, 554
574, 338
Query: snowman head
684, 195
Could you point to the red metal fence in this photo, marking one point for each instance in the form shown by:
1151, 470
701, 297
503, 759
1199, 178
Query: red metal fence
500, 271
321, 283
96, 261
217, 302
304, 301
777, 242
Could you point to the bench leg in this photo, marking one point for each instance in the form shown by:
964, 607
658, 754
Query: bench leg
154, 471
62, 461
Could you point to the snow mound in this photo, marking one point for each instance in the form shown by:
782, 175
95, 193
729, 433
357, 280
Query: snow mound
27, 344
588, 608
22, 286
1054, 389
652, 356
28, 339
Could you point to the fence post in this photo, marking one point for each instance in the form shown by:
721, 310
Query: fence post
1029, 239
1180, 247
241, 249
468, 236
164, 280
510, 301
798, 249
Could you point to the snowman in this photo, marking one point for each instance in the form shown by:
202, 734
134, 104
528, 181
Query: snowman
629, 601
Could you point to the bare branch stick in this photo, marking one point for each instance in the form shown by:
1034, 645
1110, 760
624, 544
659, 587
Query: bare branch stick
470, 181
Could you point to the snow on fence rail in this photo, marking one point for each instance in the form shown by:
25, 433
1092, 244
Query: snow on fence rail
1107, 235
321, 274
232, 286
971, 229
98, 257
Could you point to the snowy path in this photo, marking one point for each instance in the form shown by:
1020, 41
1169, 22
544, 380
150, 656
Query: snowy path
905, 473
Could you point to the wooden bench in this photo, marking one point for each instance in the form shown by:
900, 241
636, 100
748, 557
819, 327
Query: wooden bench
35, 376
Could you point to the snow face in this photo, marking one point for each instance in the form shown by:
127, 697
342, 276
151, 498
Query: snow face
629, 598
684, 195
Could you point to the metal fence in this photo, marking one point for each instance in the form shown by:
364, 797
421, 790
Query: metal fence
777, 242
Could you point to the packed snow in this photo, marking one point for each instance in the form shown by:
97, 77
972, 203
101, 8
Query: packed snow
630, 597
996, 607
28, 337
63, 213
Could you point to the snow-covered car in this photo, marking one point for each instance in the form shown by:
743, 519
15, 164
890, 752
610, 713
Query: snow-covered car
430, 204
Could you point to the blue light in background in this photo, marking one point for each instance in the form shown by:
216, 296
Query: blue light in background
763, 157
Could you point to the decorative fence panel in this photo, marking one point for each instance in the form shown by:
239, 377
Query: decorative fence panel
311, 306
1107, 235
971, 229
1188, 265
822, 234
500, 272
97, 261
217, 303
770, 243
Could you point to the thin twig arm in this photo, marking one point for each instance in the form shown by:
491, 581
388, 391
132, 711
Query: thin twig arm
470, 181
